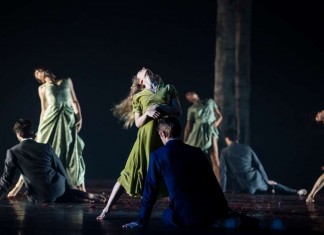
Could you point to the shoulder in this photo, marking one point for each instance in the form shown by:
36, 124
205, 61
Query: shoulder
191, 108
41, 87
225, 149
66, 80
137, 96
47, 146
242, 148
210, 101
14, 148
36, 144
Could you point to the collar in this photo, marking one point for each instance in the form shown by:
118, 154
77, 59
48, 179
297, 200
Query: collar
173, 139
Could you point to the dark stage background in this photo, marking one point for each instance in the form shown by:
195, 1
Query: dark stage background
101, 44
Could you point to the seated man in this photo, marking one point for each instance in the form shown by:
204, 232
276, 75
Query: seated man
196, 198
242, 171
44, 175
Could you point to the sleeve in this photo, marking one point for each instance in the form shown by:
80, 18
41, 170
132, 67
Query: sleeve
223, 171
151, 189
258, 165
137, 108
8, 173
173, 92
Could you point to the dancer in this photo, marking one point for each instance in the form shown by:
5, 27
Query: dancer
149, 99
44, 175
242, 171
320, 181
201, 130
60, 122
196, 200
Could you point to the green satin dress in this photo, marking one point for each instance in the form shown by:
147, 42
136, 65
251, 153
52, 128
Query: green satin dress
58, 129
133, 175
203, 117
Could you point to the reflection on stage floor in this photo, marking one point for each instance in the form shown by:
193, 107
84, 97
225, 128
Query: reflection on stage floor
18, 216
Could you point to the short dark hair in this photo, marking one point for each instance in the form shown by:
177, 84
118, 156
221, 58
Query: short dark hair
23, 127
170, 125
231, 133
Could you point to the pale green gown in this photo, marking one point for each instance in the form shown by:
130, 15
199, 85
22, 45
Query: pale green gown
58, 129
203, 117
133, 175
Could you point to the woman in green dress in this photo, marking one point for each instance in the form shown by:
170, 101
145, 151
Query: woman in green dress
201, 130
148, 100
60, 122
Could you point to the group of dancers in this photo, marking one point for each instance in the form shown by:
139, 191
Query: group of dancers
149, 99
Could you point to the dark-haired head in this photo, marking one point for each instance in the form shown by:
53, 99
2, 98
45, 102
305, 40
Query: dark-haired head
170, 126
23, 128
192, 96
231, 134
41, 73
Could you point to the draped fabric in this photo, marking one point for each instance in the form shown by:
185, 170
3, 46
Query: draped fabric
58, 129
203, 117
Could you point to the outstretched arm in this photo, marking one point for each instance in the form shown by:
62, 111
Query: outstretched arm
17, 187
8, 174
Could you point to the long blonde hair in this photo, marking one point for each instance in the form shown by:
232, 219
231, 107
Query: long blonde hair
124, 109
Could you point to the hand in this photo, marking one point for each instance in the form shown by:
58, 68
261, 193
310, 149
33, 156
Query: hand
78, 125
215, 125
132, 225
152, 112
102, 215
12, 193
271, 182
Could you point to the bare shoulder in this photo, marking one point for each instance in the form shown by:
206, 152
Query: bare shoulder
41, 88
69, 80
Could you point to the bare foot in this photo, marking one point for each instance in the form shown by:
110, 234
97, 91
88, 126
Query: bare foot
310, 199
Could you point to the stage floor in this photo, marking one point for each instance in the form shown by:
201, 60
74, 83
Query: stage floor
18, 216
